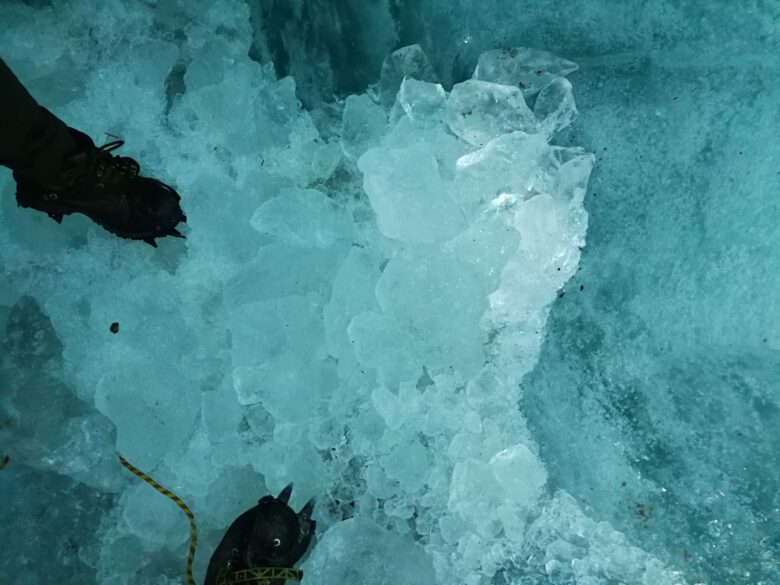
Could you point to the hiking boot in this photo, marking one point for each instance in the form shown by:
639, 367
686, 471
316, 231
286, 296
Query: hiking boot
108, 190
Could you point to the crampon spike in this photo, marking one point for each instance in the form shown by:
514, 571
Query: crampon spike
307, 510
151, 242
176, 233
284, 495
56, 217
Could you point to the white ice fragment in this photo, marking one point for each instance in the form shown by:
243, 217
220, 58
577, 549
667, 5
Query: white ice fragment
279, 271
359, 551
422, 101
475, 496
544, 234
488, 244
152, 518
411, 202
288, 387
352, 294
389, 407
209, 64
520, 474
303, 217
479, 111
436, 301
408, 464
378, 484
571, 181
263, 330
379, 344
152, 405
507, 167
528, 69
363, 124
408, 61
452, 528
555, 107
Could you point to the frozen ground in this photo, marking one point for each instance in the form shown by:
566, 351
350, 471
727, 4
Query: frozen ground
396, 296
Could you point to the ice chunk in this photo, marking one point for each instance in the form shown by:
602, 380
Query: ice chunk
520, 474
363, 124
378, 483
528, 69
209, 64
436, 301
475, 496
479, 111
352, 294
570, 546
423, 102
303, 217
278, 272
408, 464
555, 107
359, 551
541, 223
153, 517
152, 405
288, 387
408, 61
379, 344
389, 406
489, 243
411, 201
505, 172
437, 138
264, 330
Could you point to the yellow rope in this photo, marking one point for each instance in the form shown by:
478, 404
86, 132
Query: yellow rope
178, 502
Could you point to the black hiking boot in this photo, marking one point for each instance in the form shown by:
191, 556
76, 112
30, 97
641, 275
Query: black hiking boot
108, 190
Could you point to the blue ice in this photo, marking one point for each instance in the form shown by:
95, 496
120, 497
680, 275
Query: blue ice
496, 284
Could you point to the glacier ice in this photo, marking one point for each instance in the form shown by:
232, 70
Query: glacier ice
408, 61
500, 109
383, 296
529, 69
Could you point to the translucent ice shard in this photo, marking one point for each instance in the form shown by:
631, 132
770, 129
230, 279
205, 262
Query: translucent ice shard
520, 474
479, 111
358, 550
422, 101
555, 107
528, 69
303, 217
363, 124
408, 195
408, 61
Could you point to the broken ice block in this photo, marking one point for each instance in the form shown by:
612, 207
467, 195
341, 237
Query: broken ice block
555, 107
528, 69
405, 62
479, 111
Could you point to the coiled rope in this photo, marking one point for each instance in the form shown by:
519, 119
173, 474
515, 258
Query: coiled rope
176, 500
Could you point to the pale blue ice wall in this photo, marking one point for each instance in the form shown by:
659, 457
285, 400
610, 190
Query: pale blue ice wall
660, 373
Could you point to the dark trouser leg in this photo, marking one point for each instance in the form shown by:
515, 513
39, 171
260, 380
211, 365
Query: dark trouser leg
33, 141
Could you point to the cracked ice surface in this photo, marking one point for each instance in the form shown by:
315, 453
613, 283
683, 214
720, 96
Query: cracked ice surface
360, 294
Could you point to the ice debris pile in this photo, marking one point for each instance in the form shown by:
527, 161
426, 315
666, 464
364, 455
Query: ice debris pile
360, 293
